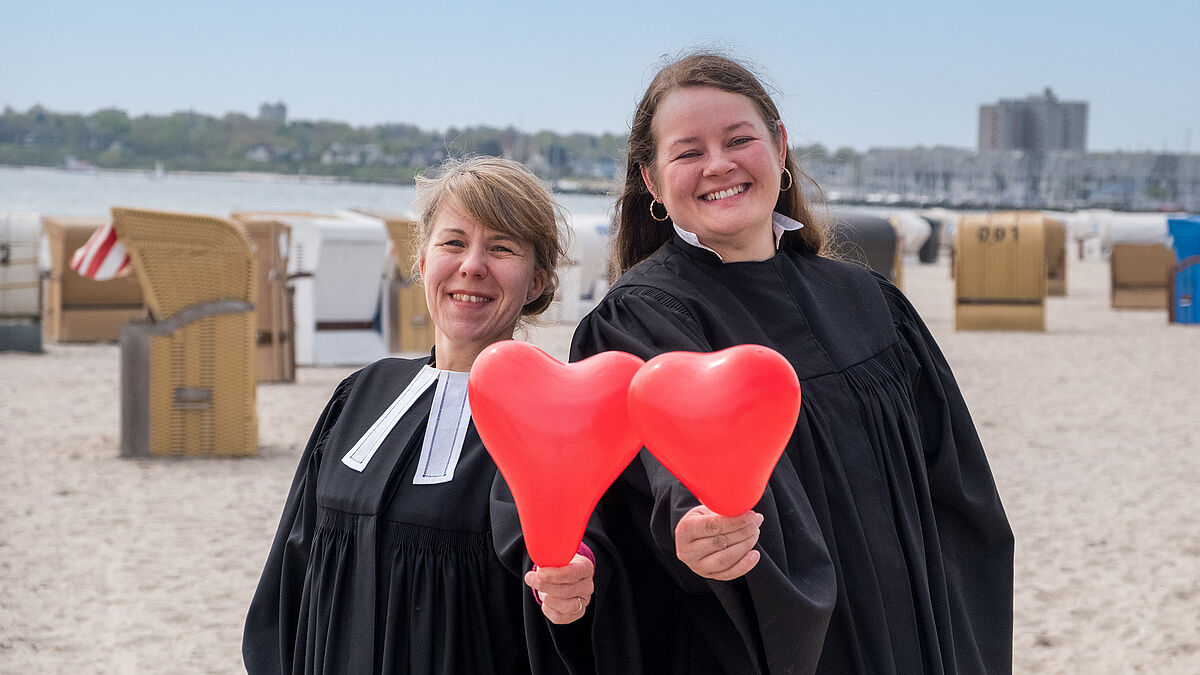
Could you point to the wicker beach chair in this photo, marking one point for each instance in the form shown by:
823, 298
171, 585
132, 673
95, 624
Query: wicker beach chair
20, 282
409, 327
187, 376
870, 240
1001, 277
274, 309
1141, 275
76, 308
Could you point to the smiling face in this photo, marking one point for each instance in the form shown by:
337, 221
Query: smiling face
476, 282
717, 169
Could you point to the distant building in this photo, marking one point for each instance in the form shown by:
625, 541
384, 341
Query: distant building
1033, 124
355, 154
1058, 179
259, 153
1032, 154
276, 112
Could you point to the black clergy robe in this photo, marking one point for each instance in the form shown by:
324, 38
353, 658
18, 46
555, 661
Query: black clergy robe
885, 548
369, 573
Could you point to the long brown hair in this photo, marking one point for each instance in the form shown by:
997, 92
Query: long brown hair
638, 235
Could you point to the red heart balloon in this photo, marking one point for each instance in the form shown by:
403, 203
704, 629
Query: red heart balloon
718, 421
559, 433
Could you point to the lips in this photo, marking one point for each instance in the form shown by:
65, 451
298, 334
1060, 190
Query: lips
726, 193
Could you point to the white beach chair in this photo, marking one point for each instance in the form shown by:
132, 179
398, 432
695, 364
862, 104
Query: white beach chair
338, 266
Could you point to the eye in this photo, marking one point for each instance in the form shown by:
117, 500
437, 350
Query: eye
741, 140
503, 248
689, 154
455, 243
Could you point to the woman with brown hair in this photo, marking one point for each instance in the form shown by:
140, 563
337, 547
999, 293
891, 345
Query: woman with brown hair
880, 544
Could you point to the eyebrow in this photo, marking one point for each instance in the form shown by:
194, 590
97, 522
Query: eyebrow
498, 236
693, 139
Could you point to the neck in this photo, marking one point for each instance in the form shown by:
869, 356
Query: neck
756, 247
456, 356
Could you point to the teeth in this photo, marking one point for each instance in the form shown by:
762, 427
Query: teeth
468, 298
724, 193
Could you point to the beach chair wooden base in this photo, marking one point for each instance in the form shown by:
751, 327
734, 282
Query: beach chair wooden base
175, 399
1000, 316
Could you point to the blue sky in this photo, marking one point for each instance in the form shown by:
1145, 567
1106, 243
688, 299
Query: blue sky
847, 73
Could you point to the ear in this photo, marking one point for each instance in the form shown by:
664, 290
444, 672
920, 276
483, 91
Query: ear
783, 146
646, 179
421, 266
536, 286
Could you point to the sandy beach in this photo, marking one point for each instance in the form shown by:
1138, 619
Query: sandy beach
110, 565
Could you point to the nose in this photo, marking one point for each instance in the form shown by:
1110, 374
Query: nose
718, 163
473, 262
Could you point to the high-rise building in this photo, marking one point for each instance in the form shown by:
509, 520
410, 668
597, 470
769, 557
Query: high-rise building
1035, 123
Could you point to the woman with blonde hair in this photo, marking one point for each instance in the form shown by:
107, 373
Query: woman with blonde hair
388, 553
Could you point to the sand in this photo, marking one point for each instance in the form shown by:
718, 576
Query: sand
110, 565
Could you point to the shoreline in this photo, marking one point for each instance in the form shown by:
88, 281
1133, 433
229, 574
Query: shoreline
264, 176
573, 186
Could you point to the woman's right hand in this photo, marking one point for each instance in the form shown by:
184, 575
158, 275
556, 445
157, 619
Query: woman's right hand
715, 546
563, 592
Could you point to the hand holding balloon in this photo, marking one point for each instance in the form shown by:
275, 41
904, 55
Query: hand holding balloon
715, 546
564, 592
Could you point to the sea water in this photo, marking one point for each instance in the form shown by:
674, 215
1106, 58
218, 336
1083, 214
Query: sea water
92, 192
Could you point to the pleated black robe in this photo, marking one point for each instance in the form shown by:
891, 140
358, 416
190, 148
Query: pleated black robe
369, 573
885, 548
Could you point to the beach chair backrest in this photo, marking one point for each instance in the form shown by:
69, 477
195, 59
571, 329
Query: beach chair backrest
186, 259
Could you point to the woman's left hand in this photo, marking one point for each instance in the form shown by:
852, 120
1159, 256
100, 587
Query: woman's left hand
565, 591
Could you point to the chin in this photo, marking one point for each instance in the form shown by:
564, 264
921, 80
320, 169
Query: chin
732, 224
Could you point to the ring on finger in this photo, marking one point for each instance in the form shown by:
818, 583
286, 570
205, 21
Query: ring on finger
580, 610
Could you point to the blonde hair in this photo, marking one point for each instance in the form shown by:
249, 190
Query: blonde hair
504, 196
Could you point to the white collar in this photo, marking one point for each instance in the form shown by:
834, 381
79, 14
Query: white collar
445, 431
779, 224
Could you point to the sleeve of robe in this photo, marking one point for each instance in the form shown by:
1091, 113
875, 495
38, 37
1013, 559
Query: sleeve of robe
781, 608
269, 637
599, 642
975, 537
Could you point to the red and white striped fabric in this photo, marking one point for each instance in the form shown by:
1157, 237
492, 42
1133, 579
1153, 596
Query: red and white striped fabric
102, 257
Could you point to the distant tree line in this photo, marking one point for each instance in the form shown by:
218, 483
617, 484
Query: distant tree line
111, 139
392, 153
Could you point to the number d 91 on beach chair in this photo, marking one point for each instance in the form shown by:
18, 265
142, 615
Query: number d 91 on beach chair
1001, 272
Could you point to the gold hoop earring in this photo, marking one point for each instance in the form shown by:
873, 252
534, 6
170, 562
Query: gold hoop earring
666, 216
785, 188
